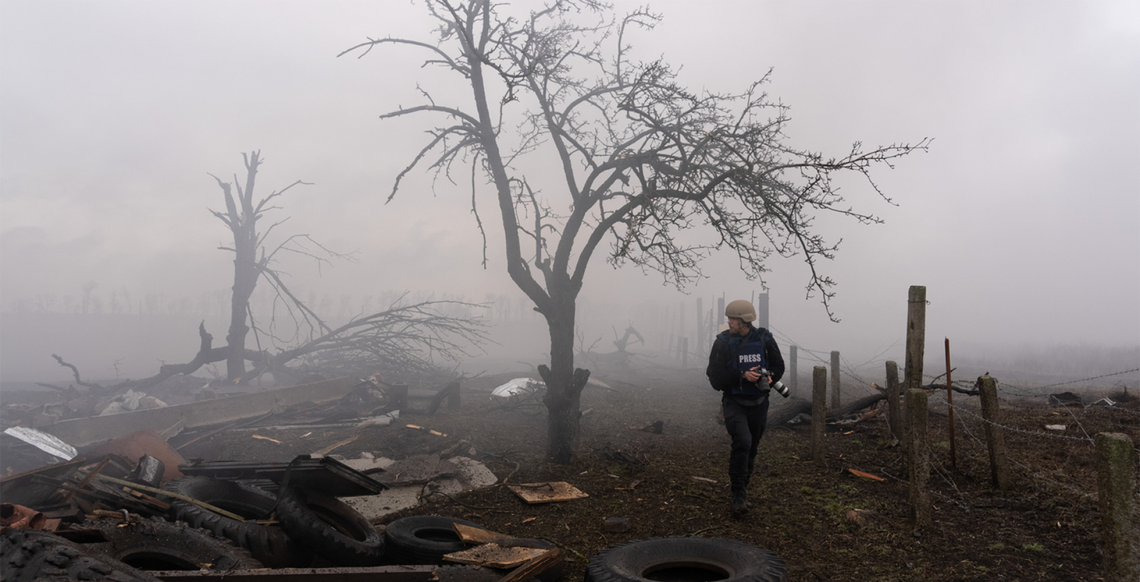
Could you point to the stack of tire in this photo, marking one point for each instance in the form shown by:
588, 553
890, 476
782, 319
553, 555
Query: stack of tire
28, 554
316, 529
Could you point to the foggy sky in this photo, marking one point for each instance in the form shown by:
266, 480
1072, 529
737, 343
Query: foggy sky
1023, 219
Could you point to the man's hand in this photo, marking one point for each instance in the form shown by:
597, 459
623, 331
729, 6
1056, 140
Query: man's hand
752, 375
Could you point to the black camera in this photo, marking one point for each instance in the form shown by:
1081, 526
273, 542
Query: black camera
778, 386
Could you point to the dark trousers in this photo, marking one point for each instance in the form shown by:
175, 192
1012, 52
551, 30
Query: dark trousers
745, 425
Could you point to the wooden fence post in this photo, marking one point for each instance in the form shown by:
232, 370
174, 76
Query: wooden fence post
1116, 503
793, 377
835, 379
818, 413
915, 343
995, 438
894, 415
700, 325
918, 459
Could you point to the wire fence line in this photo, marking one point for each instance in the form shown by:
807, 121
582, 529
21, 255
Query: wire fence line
981, 445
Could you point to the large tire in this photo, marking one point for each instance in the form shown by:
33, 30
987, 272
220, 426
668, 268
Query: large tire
423, 539
686, 560
269, 545
329, 528
38, 555
157, 545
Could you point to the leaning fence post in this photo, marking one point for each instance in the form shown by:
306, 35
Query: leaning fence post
1116, 502
918, 459
818, 412
894, 415
995, 438
835, 379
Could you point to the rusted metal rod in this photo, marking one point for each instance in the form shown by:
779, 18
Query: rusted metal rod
950, 407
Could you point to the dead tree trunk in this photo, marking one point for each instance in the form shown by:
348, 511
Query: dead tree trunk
241, 218
797, 406
564, 383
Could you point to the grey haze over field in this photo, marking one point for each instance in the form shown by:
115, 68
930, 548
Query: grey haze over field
1022, 220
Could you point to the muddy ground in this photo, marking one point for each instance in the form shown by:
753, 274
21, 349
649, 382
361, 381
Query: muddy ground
824, 521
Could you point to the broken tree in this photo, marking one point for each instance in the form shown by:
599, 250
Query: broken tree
405, 338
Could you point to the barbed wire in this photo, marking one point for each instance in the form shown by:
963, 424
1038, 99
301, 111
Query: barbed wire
939, 400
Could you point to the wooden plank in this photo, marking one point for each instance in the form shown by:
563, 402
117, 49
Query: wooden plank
533, 567
548, 492
477, 535
495, 556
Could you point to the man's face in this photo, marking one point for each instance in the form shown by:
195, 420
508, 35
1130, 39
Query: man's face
737, 326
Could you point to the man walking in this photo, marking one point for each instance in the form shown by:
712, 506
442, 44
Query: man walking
744, 362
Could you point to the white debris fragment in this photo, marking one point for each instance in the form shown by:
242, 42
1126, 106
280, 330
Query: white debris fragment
43, 441
1055, 427
518, 386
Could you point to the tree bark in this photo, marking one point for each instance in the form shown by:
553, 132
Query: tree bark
564, 384
243, 223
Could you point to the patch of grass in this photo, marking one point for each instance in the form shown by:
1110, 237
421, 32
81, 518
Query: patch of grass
1037, 548
997, 547
806, 491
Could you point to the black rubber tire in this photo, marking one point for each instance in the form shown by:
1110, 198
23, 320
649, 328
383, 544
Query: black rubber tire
269, 545
37, 555
158, 545
423, 539
686, 560
329, 528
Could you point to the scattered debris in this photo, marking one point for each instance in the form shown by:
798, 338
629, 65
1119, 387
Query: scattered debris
865, 475
548, 492
859, 516
517, 387
265, 438
492, 555
1065, 399
616, 524
336, 446
478, 535
655, 428
131, 400
417, 427
43, 441
139, 443
417, 470
1059, 427
1104, 402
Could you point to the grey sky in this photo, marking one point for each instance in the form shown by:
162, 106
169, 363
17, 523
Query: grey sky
1023, 220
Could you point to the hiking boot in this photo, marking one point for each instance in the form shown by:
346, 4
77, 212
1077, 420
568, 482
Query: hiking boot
739, 502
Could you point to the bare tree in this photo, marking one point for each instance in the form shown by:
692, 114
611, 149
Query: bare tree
644, 162
405, 338
241, 217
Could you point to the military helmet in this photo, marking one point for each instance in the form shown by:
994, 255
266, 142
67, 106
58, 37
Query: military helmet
742, 310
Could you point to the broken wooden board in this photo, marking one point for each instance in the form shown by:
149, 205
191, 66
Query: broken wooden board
548, 492
493, 555
477, 535
865, 475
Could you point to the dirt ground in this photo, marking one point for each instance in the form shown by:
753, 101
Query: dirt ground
824, 521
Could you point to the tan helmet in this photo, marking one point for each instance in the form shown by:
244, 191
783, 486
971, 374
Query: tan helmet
742, 310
